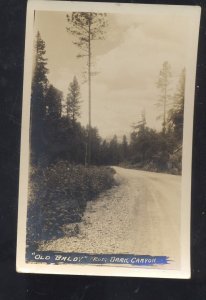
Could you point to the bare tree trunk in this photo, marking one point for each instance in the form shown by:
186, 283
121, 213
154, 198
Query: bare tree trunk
164, 112
85, 160
89, 82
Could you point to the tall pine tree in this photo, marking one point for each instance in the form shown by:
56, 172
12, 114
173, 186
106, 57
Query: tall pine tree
87, 27
38, 106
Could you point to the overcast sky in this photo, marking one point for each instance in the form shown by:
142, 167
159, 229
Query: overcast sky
128, 61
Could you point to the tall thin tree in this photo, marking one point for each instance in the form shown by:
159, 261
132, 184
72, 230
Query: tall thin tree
141, 125
87, 27
163, 84
176, 114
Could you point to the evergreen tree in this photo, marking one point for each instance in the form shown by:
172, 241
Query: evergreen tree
114, 151
40, 65
141, 125
73, 100
124, 147
163, 84
95, 146
53, 101
87, 27
104, 153
176, 114
38, 107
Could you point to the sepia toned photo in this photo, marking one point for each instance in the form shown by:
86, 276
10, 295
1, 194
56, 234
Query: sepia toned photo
106, 152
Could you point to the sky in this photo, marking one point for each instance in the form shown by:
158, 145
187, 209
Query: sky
128, 62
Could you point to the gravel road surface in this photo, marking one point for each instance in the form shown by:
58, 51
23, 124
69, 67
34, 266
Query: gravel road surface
141, 215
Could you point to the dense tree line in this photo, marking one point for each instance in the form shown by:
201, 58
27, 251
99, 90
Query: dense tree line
56, 133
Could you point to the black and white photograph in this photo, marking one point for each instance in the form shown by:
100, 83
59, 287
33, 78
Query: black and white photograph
105, 174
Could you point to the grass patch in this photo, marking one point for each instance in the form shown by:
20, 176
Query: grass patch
58, 196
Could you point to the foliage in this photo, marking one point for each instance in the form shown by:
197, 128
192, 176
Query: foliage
73, 100
176, 114
59, 194
40, 64
161, 151
39, 89
124, 148
163, 84
46, 107
86, 27
53, 103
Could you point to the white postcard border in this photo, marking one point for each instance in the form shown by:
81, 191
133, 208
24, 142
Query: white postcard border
184, 271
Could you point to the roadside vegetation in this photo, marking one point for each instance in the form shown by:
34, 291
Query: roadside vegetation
58, 197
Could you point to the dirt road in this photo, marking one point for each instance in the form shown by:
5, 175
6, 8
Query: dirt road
141, 215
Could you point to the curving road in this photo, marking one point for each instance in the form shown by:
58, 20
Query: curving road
141, 215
